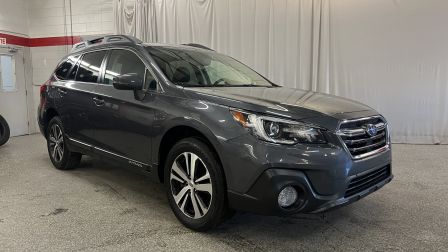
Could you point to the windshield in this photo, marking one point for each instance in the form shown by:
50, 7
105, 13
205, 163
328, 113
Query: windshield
202, 68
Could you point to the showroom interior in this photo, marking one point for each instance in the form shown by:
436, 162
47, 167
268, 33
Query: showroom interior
388, 54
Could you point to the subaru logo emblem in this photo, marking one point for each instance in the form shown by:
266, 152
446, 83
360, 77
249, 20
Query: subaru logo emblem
371, 129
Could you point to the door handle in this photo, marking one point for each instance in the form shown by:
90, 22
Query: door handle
98, 101
61, 91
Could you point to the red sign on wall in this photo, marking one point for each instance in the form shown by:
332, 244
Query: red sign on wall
2, 41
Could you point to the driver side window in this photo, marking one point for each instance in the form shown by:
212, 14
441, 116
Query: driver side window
123, 62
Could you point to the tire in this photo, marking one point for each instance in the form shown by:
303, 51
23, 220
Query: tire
61, 157
4, 131
206, 190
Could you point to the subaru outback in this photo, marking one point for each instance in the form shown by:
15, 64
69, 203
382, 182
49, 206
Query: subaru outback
220, 136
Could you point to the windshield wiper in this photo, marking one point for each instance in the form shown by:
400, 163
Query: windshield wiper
182, 84
219, 85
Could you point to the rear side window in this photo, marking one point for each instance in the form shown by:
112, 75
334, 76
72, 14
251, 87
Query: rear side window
63, 69
123, 62
89, 67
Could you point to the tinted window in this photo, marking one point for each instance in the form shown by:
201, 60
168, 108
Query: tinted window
63, 69
89, 67
123, 62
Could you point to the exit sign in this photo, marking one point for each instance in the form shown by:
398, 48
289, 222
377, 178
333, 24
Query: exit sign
2, 41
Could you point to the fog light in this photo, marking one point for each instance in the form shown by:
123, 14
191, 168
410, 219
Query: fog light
287, 196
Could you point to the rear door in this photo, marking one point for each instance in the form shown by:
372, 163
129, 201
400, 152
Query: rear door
123, 122
76, 103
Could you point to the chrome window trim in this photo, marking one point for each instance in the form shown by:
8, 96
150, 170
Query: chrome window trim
371, 153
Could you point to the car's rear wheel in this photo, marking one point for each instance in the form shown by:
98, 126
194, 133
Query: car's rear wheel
195, 185
61, 157
4, 131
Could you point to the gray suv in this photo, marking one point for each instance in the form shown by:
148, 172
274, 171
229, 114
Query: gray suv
220, 136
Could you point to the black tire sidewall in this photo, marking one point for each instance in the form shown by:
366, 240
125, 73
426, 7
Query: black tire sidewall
217, 207
4, 131
62, 165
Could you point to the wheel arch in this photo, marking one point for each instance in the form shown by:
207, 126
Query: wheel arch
50, 113
181, 131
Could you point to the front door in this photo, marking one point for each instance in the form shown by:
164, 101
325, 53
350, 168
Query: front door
13, 102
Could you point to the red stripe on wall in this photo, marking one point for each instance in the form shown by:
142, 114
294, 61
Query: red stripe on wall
54, 41
15, 40
36, 42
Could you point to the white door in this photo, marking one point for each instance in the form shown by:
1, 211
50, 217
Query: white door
13, 102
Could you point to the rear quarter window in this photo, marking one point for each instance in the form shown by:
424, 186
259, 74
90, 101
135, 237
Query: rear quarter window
64, 68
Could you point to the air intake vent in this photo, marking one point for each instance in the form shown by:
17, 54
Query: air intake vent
363, 182
365, 136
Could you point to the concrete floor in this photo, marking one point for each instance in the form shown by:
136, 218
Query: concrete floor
102, 207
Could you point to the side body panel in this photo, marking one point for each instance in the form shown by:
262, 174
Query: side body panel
74, 103
123, 125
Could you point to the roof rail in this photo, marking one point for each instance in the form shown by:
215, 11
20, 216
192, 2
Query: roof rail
105, 40
198, 46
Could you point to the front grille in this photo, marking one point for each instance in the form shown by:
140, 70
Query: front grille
356, 137
362, 182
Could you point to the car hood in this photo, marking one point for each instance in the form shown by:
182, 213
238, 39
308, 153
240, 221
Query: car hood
296, 103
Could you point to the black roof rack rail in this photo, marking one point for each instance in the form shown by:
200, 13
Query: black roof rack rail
106, 40
198, 46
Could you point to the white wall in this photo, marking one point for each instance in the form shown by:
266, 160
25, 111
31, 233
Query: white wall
13, 16
52, 18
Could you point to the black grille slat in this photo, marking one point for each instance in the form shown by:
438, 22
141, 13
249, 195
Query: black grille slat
365, 186
358, 142
366, 176
365, 181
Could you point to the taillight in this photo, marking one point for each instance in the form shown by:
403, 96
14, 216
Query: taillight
43, 87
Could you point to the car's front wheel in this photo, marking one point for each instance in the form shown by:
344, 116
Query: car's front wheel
195, 185
61, 157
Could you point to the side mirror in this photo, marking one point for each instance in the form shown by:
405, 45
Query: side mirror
130, 81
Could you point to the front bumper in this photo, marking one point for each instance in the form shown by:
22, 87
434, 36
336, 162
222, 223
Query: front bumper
257, 171
262, 197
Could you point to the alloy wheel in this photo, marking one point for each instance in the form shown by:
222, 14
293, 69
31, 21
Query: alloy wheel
191, 185
56, 139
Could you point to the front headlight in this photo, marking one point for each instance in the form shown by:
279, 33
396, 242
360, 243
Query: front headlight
278, 130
